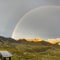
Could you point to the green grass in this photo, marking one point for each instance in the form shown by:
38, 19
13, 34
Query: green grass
32, 51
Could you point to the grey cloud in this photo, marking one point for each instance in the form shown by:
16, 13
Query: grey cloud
43, 22
12, 10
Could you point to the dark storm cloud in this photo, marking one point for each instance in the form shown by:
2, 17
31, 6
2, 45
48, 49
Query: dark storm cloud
12, 10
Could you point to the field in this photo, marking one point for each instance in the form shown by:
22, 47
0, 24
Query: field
23, 49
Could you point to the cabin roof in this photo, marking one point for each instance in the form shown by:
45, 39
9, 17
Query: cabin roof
5, 54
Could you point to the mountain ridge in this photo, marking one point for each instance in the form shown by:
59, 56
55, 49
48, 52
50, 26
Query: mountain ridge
35, 40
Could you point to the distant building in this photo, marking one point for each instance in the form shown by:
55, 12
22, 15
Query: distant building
4, 55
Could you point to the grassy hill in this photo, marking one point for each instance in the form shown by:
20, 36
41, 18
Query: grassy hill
33, 50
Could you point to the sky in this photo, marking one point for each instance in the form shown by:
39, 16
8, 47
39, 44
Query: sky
11, 11
41, 22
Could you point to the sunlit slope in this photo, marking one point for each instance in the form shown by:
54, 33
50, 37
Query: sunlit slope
34, 39
52, 41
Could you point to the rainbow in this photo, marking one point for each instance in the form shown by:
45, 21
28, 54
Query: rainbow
34, 9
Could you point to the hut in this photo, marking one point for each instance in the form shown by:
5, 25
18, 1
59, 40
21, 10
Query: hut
4, 55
